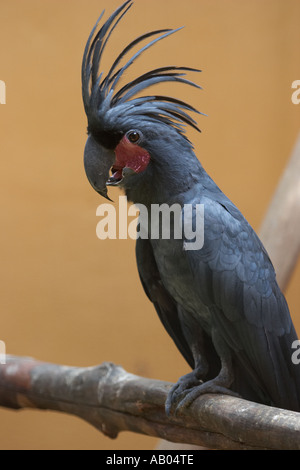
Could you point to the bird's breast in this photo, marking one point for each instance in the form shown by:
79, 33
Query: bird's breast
177, 278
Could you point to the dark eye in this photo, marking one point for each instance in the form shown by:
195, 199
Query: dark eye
133, 136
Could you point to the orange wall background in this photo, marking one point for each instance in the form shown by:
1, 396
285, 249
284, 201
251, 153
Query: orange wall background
65, 296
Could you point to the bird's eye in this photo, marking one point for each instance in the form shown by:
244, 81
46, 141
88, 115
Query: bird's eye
133, 136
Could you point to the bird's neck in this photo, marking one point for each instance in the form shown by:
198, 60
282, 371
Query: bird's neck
169, 181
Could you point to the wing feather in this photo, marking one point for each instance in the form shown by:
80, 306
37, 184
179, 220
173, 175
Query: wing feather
237, 281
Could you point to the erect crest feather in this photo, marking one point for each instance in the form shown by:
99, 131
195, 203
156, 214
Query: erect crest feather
99, 96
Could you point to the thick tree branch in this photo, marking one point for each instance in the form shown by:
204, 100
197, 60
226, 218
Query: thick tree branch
113, 400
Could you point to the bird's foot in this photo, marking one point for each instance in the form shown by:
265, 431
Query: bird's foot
188, 389
185, 384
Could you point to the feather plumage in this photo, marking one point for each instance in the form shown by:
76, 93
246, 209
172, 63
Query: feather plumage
100, 96
221, 304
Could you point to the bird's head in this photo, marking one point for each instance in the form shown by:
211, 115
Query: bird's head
130, 138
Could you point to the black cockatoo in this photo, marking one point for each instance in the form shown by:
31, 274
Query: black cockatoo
220, 303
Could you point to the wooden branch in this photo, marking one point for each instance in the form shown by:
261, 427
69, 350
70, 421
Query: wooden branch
281, 227
113, 400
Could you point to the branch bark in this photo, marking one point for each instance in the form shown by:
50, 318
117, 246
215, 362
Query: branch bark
113, 400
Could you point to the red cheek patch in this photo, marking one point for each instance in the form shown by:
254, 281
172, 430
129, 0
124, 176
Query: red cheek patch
130, 155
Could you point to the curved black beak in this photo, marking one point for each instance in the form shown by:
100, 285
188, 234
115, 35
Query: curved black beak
97, 163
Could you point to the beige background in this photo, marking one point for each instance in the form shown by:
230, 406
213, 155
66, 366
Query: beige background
67, 297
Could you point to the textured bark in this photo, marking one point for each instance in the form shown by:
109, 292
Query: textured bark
113, 400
